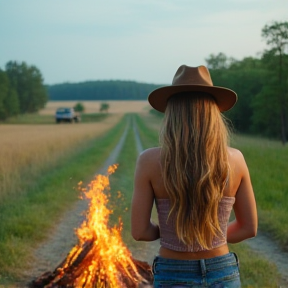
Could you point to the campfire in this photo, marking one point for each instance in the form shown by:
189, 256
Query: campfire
100, 259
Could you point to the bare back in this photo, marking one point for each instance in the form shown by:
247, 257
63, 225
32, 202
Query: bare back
149, 185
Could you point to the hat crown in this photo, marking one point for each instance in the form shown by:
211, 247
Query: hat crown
186, 75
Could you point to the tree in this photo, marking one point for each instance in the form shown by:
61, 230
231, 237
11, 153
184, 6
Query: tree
79, 107
104, 107
276, 35
28, 82
220, 61
4, 83
9, 104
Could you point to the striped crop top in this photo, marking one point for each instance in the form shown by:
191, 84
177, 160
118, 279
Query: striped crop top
168, 236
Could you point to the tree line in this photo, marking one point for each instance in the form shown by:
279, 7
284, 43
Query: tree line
100, 90
261, 85
21, 90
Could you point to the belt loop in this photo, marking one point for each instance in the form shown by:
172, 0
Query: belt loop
203, 270
237, 259
203, 267
154, 265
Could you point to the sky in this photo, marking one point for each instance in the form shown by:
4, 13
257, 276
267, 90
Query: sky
143, 41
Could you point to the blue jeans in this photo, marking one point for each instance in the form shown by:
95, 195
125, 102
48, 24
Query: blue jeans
217, 272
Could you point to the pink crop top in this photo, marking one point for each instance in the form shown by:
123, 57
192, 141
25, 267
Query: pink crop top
168, 236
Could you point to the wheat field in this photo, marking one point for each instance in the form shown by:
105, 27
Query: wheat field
29, 148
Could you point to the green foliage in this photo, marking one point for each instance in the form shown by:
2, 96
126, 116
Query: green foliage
276, 36
79, 107
9, 102
104, 107
28, 83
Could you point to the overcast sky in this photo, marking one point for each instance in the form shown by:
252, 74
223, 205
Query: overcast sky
145, 41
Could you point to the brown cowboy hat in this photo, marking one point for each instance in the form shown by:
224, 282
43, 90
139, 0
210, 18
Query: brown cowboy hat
192, 79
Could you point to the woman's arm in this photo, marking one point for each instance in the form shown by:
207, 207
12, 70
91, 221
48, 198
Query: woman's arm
142, 228
246, 221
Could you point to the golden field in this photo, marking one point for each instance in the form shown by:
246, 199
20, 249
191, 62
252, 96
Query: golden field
94, 106
30, 148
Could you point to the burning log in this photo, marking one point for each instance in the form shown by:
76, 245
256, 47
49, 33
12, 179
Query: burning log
100, 259
66, 275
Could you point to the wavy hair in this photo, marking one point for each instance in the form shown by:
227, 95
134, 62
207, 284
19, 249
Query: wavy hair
194, 139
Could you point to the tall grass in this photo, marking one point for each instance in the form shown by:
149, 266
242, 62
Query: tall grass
26, 218
268, 165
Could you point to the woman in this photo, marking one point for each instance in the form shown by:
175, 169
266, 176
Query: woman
195, 180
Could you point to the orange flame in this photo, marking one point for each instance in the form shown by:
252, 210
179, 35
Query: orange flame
108, 260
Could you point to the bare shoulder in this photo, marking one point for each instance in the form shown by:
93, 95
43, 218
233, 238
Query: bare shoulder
148, 163
237, 161
151, 154
235, 153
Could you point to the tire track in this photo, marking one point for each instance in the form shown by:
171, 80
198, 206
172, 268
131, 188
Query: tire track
271, 251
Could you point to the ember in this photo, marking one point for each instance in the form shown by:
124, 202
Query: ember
100, 259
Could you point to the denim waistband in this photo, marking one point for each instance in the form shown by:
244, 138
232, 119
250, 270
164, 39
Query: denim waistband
196, 265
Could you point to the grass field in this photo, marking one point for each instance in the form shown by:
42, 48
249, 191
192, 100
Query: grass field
30, 214
267, 161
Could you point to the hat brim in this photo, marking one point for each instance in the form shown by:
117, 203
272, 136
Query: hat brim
225, 98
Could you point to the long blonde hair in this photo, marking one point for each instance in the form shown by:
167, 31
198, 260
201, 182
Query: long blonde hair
195, 167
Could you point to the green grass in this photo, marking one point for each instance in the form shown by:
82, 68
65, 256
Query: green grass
93, 117
268, 161
149, 137
35, 118
255, 272
26, 219
122, 180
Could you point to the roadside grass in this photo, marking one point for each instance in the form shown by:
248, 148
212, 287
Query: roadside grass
255, 270
267, 161
149, 137
26, 219
36, 118
30, 118
93, 117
